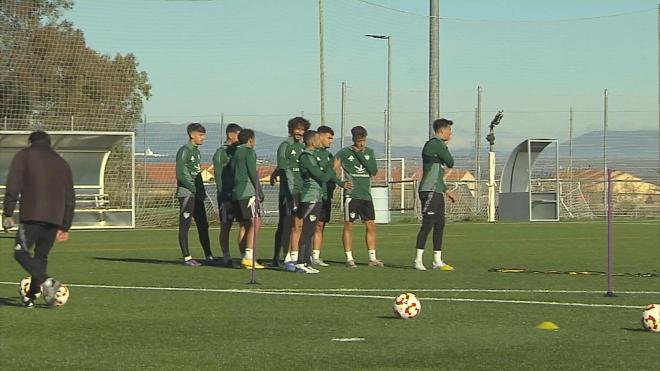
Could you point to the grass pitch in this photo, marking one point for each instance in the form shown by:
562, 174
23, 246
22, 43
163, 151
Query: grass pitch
134, 306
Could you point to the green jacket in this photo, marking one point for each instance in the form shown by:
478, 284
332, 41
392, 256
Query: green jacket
289, 169
326, 161
189, 172
359, 167
314, 178
224, 178
435, 155
244, 169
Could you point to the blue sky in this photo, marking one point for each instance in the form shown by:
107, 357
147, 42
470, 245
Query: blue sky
257, 61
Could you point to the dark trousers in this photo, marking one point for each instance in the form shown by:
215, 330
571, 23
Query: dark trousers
41, 236
192, 208
284, 225
309, 213
433, 218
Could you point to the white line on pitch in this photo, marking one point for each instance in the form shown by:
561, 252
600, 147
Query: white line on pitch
326, 294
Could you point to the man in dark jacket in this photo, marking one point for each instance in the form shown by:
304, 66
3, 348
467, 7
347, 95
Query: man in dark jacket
42, 180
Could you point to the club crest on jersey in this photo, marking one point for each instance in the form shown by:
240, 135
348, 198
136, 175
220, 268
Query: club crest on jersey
367, 157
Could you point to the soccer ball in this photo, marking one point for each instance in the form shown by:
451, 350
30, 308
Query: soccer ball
407, 306
60, 298
24, 287
651, 318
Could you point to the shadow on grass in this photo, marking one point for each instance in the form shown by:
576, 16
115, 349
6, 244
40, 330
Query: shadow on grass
10, 302
139, 260
396, 266
388, 317
637, 329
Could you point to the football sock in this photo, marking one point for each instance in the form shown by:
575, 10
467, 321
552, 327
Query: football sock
186, 258
287, 258
420, 253
437, 257
372, 255
248, 254
316, 254
294, 256
349, 255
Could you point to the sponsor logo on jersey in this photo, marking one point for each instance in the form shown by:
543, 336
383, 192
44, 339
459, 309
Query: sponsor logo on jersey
350, 158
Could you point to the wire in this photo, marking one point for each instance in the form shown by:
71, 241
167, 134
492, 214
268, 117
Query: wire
370, 3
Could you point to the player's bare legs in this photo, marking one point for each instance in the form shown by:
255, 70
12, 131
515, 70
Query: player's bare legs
370, 240
347, 239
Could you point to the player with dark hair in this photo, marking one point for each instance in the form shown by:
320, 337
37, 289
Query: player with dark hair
359, 164
191, 195
43, 182
324, 157
432, 189
288, 227
311, 200
245, 192
224, 181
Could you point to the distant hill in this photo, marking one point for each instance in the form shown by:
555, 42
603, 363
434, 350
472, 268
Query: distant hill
633, 151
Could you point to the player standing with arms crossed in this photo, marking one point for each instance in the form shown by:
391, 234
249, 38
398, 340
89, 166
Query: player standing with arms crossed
432, 189
359, 164
224, 181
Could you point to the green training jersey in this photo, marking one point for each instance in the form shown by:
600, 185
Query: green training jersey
314, 178
359, 167
325, 160
288, 164
243, 167
224, 178
435, 155
189, 172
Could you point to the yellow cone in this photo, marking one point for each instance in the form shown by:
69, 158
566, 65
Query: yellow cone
547, 326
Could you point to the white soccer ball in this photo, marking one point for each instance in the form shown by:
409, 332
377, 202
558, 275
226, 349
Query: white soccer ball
651, 318
407, 306
60, 298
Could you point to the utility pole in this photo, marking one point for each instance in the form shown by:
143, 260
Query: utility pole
321, 62
434, 65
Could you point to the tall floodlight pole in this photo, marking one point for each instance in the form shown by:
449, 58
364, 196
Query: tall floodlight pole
434, 65
321, 62
388, 119
491, 165
605, 146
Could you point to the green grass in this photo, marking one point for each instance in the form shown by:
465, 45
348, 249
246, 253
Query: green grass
128, 328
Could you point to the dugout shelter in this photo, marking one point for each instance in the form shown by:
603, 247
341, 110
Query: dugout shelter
103, 168
519, 200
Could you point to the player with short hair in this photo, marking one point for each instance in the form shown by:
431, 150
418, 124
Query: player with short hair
224, 181
311, 199
432, 189
245, 192
289, 227
43, 182
191, 195
325, 136
359, 164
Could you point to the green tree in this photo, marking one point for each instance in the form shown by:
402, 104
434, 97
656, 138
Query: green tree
48, 74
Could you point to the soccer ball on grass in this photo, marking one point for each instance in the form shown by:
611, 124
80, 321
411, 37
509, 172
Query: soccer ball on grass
60, 298
407, 306
651, 318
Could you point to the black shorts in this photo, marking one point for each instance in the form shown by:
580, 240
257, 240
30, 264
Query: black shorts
433, 203
287, 205
226, 210
245, 209
354, 208
309, 211
326, 208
